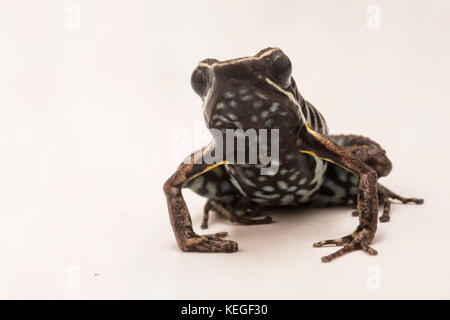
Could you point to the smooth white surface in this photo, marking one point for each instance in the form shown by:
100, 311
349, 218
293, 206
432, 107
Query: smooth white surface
88, 119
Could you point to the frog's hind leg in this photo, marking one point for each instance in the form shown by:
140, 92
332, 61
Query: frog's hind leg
367, 150
340, 187
374, 155
224, 199
385, 195
239, 211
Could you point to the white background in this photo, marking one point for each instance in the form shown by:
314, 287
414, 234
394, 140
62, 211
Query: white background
90, 108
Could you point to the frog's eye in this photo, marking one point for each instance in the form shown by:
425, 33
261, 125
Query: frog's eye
199, 81
282, 68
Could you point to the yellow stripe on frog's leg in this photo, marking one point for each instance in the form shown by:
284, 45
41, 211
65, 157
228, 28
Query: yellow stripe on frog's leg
215, 165
311, 153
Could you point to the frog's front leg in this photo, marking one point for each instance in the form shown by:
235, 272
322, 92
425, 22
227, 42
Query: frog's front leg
180, 219
367, 201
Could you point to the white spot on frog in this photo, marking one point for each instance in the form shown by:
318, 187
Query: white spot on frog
218, 116
354, 179
211, 188
301, 192
290, 156
282, 185
225, 186
319, 171
243, 90
268, 123
266, 196
228, 94
197, 184
268, 188
261, 95
342, 174
246, 97
294, 176
287, 199
257, 104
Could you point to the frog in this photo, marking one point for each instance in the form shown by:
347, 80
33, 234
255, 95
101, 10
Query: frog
313, 169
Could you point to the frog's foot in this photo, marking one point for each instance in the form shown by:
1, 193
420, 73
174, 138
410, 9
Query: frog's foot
250, 215
385, 195
359, 240
209, 243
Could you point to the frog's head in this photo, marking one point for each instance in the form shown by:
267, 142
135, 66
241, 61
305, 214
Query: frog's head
253, 92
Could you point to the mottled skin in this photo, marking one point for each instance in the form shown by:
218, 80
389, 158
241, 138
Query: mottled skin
314, 168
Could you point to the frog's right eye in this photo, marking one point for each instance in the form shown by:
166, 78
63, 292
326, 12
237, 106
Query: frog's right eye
199, 81
282, 68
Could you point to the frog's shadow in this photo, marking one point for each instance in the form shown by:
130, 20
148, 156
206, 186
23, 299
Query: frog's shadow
290, 224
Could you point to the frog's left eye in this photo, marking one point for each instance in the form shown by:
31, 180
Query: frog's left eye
199, 81
282, 68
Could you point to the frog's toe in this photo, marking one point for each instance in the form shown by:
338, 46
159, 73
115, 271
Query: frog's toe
337, 242
220, 245
413, 200
351, 246
216, 235
209, 243
359, 240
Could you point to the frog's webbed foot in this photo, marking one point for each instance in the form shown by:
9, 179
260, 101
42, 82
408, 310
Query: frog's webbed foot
210, 243
249, 215
359, 240
385, 195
